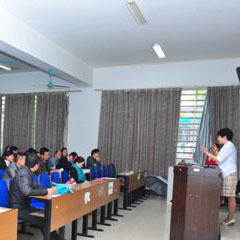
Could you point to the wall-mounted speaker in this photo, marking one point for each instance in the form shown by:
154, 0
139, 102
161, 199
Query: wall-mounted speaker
238, 73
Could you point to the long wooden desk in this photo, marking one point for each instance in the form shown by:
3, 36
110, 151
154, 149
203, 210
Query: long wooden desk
8, 224
132, 182
65, 209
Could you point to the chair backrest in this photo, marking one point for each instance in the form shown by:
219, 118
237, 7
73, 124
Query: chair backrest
36, 180
2, 171
104, 171
55, 177
113, 172
44, 180
3, 193
99, 171
109, 171
65, 176
93, 174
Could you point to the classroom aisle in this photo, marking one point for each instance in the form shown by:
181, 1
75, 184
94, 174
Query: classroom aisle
149, 221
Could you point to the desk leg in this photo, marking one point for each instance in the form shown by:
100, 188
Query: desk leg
47, 221
135, 198
94, 222
130, 201
115, 209
138, 195
85, 228
103, 217
109, 213
143, 192
125, 199
74, 229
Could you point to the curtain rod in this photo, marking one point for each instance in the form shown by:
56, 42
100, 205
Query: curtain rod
183, 88
67, 91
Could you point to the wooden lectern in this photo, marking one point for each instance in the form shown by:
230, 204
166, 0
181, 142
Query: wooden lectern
196, 203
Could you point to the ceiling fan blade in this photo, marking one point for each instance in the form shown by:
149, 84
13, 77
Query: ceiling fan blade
60, 86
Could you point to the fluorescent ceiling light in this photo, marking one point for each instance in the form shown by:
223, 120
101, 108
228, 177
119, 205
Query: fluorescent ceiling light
136, 12
158, 50
5, 67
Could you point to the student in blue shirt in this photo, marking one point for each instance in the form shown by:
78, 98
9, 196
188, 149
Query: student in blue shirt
76, 171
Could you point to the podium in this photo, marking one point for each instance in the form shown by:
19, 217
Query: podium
196, 203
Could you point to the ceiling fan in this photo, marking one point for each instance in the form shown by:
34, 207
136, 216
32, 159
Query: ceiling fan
50, 84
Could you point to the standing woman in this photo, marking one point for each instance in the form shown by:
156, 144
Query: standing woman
227, 160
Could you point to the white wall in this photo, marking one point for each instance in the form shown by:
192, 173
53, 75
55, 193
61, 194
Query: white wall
179, 74
83, 121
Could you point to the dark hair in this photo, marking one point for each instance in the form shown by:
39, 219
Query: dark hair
31, 151
63, 149
73, 154
44, 150
79, 160
57, 151
217, 145
9, 153
226, 132
32, 160
7, 149
14, 148
95, 151
19, 156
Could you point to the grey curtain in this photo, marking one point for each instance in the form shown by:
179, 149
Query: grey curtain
138, 129
204, 136
51, 119
18, 120
224, 111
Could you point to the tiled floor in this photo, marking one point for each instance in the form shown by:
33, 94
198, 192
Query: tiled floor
149, 221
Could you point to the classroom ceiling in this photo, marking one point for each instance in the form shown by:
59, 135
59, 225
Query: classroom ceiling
15, 64
103, 33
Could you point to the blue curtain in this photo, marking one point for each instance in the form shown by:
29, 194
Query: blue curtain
204, 135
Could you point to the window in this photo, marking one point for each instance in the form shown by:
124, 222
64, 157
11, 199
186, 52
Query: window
191, 110
34, 121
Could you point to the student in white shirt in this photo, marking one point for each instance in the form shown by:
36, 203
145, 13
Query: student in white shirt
227, 160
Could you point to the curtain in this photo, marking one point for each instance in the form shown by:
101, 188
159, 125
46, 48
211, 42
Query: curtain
224, 111
204, 135
51, 119
18, 120
138, 129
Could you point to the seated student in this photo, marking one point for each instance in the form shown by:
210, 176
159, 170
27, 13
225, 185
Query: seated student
23, 186
94, 159
64, 152
14, 150
53, 161
214, 151
7, 160
44, 166
15, 166
76, 171
66, 162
